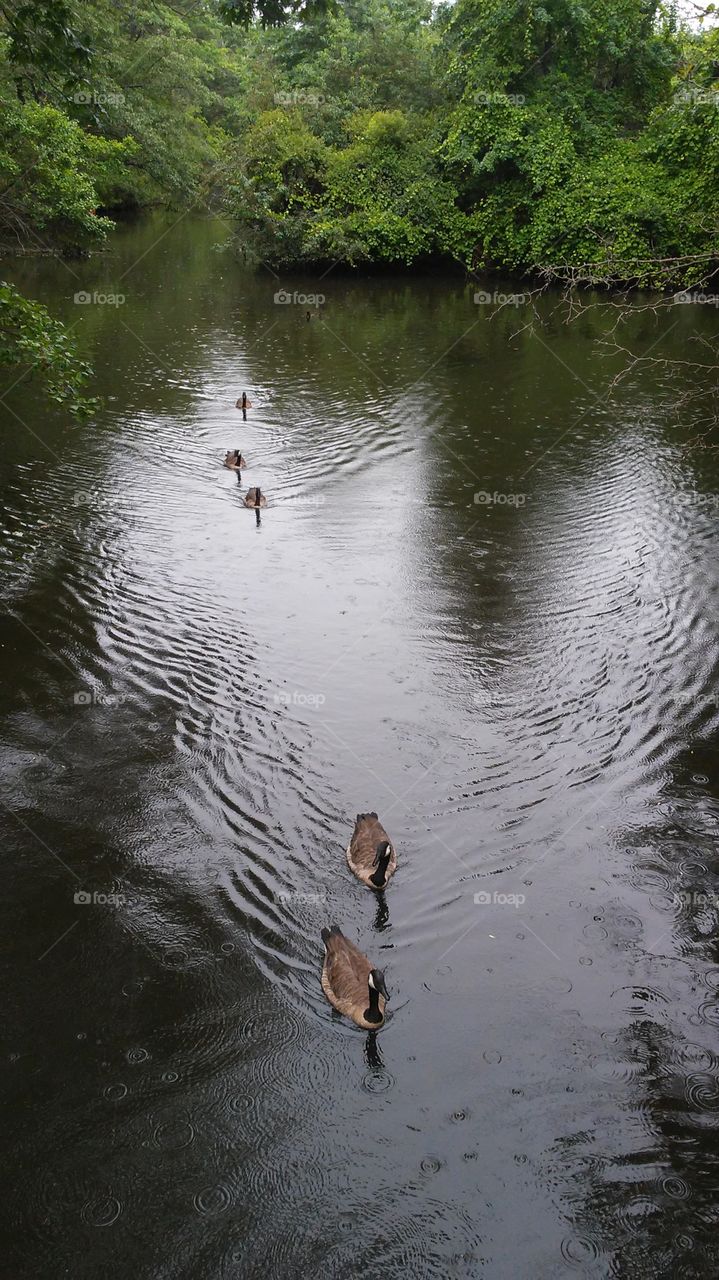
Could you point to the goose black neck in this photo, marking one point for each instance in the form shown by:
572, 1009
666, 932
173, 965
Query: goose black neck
379, 879
373, 1013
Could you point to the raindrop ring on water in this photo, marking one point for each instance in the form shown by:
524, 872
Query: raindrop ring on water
101, 1211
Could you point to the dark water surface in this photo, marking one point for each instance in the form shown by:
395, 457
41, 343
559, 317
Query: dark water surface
196, 705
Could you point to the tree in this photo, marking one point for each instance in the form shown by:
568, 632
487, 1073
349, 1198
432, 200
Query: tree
44, 48
31, 341
50, 171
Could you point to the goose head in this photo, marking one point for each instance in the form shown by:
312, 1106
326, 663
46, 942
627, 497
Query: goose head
377, 983
377, 988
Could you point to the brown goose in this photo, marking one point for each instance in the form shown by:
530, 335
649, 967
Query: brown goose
350, 983
255, 498
243, 402
234, 460
370, 853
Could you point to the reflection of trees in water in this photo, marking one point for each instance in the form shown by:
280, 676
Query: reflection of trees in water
651, 1209
653, 1206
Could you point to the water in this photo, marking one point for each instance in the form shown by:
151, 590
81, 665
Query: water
196, 705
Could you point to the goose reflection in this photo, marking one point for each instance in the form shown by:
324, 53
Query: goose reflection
372, 1052
381, 918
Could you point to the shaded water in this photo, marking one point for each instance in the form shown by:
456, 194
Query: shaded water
522, 683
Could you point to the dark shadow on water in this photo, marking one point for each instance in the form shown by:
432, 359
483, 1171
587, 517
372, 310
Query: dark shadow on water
381, 919
372, 1054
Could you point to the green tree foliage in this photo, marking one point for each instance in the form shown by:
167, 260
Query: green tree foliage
363, 83
372, 201
271, 13
559, 139
506, 133
50, 174
44, 49
32, 342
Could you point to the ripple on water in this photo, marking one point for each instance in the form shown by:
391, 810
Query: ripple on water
101, 1210
174, 1134
211, 1201
702, 1091
695, 1057
492, 1056
295, 1061
115, 1092
708, 1012
378, 1081
639, 999
615, 1069
635, 1213
401, 1246
580, 1251
594, 932
675, 1187
134, 987
210, 1047
281, 1177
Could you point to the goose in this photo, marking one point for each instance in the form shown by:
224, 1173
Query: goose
370, 853
255, 498
243, 402
350, 983
234, 460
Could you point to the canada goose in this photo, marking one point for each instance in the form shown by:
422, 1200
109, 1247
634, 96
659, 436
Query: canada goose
350, 983
255, 498
243, 402
234, 460
370, 853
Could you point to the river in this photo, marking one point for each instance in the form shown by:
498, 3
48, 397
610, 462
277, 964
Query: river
483, 601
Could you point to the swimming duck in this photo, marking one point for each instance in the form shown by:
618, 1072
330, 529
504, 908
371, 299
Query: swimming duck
370, 853
350, 983
234, 460
255, 498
